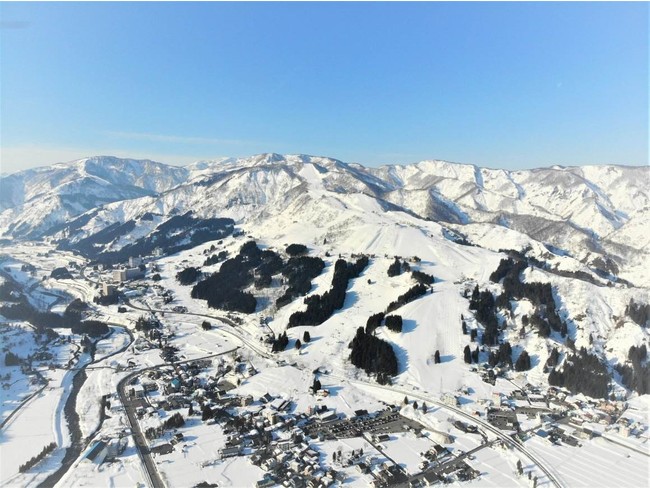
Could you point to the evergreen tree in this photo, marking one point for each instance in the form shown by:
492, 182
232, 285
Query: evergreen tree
306, 337
436, 357
394, 323
523, 362
298, 344
206, 413
475, 355
467, 354
395, 268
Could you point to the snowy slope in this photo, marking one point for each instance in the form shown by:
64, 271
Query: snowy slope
34, 200
595, 214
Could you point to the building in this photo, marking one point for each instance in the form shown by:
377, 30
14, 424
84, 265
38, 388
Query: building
450, 399
96, 453
137, 391
265, 483
121, 275
108, 289
328, 415
134, 261
226, 452
163, 449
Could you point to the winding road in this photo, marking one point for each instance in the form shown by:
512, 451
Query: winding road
507, 439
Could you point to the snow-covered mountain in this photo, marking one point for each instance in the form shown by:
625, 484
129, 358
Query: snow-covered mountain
595, 214
580, 231
34, 200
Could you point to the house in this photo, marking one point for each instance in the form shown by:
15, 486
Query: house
137, 391
163, 449
381, 438
174, 385
266, 398
226, 452
265, 482
327, 415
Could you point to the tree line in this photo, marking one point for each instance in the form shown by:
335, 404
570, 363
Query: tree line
321, 307
582, 373
373, 355
71, 319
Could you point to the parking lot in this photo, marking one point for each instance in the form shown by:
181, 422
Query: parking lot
385, 422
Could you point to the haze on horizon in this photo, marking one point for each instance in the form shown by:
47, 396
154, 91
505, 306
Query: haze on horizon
510, 85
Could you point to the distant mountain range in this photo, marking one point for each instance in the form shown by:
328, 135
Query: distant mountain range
597, 215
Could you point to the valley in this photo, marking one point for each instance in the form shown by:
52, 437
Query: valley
218, 354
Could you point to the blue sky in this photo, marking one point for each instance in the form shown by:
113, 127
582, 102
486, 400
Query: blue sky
512, 85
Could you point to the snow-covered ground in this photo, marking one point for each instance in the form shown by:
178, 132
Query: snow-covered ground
334, 223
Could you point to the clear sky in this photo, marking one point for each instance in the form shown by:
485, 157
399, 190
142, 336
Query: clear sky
512, 85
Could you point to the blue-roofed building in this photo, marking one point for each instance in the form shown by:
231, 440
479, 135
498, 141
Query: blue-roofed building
96, 453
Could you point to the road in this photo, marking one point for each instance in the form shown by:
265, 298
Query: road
78, 444
232, 331
141, 443
444, 467
535, 459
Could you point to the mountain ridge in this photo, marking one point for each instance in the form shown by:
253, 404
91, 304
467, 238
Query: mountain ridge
594, 213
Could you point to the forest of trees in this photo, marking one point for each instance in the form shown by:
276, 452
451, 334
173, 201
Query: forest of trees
373, 322
540, 294
92, 328
395, 269
223, 289
637, 375
482, 302
176, 234
71, 318
38, 458
372, 354
394, 323
216, 258
11, 359
639, 312
61, 273
188, 275
321, 307
280, 343
298, 273
422, 277
410, 295
9, 292
582, 373
296, 250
